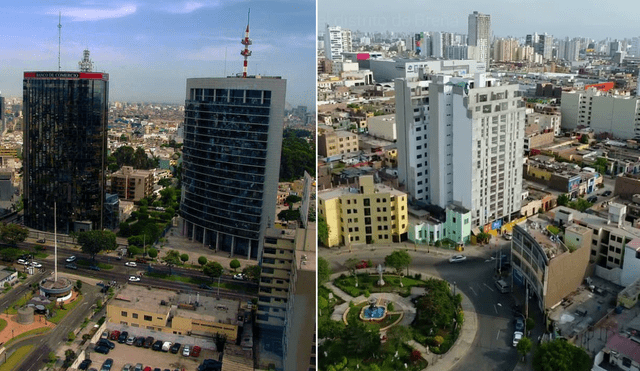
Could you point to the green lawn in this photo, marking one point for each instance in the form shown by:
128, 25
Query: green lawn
368, 282
36, 331
40, 255
385, 361
199, 281
60, 313
87, 263
16, 358
3, 324
19, 303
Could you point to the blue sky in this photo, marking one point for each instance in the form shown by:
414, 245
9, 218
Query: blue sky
574, 18
150, 47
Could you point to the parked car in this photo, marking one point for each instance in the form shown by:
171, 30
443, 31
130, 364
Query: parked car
71, 259
105, 335
148, 368
186, 351
106, 366
238, 276
205, 286
94, 267
115, 334
22, 261
148, 342
123, 337
131, 264
139, 341
592, 199
134, 279
507, 236
130, 340
127, 367
457, 259
107, 343
519, 324
517, 336
157, 369
101, 349
41, 240
157, 345
138, 367
606, 193
84, 365
166, 346
71, 266
175, 348
195, 352
35, 264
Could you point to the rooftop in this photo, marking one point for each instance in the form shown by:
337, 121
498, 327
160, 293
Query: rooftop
332, 193
537, 228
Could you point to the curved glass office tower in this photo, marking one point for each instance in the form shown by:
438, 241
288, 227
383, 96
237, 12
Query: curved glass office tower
231, 160
65, 147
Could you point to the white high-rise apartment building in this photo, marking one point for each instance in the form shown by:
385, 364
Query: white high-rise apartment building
460, 140
437, 45
480, 35
336, 41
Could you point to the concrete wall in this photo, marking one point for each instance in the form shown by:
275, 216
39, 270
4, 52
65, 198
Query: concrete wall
626, 187
611, 275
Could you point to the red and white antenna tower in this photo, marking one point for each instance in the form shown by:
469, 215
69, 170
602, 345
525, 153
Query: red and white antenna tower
246, 53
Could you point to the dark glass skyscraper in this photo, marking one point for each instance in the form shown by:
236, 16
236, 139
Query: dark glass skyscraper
232, 142
65, 148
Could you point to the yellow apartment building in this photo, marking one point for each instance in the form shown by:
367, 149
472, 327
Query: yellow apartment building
372, 213
337, 143
132, 184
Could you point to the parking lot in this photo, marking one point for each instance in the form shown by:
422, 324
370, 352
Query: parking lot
123, 354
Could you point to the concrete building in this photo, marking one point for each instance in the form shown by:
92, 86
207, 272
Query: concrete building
620, 353
543, 265
231, 163
534, 138
336, 41
176, 313
287, 299
618, 115
132, 184
371, 214
386, 70
505, 50
337, 143
546, 121
461, 141
455, 226
480, 35
383, 127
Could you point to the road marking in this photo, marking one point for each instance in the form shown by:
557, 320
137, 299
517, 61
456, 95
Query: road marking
496, 308
488, 286
474, 291
498, 335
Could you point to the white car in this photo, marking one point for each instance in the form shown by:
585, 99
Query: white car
457, 259
238, 276
130, 264
186, 351
517, 336
36, 264
22, 261
134, 279
71, 259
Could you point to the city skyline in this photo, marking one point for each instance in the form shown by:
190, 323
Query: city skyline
149, 48
508, 17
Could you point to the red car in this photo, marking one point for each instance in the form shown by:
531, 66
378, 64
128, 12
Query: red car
195, 352
115, 334
362, 264
148, 368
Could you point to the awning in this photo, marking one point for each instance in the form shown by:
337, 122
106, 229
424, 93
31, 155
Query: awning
475, 231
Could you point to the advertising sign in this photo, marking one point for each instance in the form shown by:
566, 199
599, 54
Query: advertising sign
496, 224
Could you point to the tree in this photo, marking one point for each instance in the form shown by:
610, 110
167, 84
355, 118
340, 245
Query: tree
584, 139
298, 155
563, 200
92, 242
133, 251
524, 346
13, 233
292, 199
153, 253
530, 324
324, 270
360, 340
10, 254
580, 204
398, 260
323, 231
252, 272
351, 264
213, 269
202, 260
184, 258
601, 164
234, 264
398, 335
171, 259
79, 284
328, 329
560, 355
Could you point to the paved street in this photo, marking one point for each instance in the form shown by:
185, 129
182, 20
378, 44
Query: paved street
491, 348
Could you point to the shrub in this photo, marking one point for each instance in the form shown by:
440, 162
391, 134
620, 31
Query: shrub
390, 307
435, 350
460, 318
351, 305
367, 293
438, 340
417, 276
342, 276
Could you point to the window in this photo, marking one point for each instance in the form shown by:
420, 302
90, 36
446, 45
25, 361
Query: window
134, 315
148, 318
123, 314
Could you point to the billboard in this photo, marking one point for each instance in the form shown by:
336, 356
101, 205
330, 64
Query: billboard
496, 224
603, 86
363, 56
418, 38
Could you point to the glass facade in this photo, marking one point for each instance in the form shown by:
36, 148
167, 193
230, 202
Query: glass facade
65, 147
228, 134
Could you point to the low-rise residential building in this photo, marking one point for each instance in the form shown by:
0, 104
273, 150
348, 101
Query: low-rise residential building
535, 200
132, 184
371, 213
534, 137
8, 275
176, 313
454, 224
383, 127
548, 267
337, 143
620, 353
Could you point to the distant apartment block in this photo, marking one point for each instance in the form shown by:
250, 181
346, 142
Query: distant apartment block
336, 41
604, 112
461, 141
335, 143
547, 267
132, 184
546, 121
387, 70
372, 213
480, 35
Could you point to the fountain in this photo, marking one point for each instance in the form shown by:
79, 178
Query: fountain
373, 312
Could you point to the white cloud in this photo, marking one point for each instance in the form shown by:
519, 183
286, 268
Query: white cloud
94, 14
185, 7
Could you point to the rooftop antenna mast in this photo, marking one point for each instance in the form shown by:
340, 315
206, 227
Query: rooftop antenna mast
246, 53
59, 36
